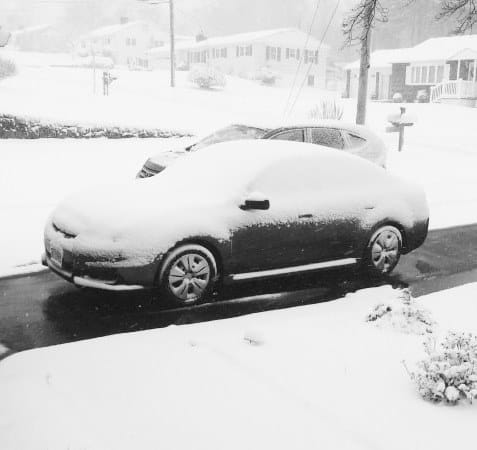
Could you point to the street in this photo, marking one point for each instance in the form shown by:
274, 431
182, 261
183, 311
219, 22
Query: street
41, 309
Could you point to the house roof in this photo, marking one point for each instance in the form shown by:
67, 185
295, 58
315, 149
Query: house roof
439, 49
382, 58
112, 29
296, 38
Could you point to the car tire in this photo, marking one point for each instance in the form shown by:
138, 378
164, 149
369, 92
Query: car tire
188, 275
383, 250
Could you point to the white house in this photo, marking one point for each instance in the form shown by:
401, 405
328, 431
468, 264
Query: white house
125, 43
281, 50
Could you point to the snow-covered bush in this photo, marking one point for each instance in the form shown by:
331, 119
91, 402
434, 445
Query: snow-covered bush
206, 76
449, 373
267, 76
397, 97
327, 109
403, 315
7, 68
422, 96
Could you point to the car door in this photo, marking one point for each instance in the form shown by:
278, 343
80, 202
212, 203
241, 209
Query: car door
307, 221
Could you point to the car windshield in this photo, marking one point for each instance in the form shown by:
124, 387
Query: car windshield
230, 133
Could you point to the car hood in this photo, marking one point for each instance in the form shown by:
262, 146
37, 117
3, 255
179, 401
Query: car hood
146, 215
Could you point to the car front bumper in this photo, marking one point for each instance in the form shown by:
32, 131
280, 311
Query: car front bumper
85, 281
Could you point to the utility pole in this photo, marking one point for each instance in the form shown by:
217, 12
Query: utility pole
172, 39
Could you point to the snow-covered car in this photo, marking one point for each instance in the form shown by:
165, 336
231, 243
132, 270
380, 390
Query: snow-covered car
260, 208
356, 139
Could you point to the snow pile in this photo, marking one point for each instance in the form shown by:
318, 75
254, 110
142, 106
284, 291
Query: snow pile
403, 314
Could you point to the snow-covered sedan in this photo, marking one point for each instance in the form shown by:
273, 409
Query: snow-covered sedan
236, 211
356, 139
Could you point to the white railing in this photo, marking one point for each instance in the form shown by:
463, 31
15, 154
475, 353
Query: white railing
453, 89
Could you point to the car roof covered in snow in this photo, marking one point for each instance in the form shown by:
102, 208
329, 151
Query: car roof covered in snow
232, 163
270, 124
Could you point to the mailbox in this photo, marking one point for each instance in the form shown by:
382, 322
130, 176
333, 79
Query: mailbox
398, 122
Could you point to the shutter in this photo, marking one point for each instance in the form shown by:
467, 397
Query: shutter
268, 52
279, 51
316, 56
236, 51
297, 53
287, 52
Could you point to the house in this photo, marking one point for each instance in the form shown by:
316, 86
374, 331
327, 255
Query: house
442, 69
158, 57
39, 38
380, 69
125, 43
280, 50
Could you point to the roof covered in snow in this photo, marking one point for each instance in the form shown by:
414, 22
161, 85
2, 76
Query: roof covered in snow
290, 36
112, 29
382, 58
441, 48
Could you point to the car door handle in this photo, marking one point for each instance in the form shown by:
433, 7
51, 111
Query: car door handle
369, 207
305, 216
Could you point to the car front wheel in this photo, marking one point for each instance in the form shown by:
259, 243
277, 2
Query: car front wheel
384, 250
188, 274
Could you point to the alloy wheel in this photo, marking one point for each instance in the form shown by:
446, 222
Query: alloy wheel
385, 250
189, 277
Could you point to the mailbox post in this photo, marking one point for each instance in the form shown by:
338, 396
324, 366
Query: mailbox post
399, 122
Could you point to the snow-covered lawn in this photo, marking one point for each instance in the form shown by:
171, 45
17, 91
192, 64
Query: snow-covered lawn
305, 378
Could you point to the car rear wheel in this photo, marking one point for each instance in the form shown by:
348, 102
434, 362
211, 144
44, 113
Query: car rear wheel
188, 275
384, 250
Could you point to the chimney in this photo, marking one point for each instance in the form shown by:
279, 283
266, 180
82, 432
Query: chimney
123, 20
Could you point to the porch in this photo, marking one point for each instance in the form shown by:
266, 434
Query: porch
461, 83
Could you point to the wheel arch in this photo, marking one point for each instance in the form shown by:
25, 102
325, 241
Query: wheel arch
392, 223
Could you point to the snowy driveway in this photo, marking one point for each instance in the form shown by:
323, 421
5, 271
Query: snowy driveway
42, 309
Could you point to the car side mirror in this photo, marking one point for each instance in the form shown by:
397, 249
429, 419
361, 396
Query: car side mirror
255, 201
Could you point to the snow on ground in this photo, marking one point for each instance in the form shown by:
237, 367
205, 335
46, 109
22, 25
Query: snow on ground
318, 376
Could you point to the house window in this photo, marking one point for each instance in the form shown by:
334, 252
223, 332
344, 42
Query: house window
428, 74
424, 74
248, 50
128, 42
133, 41
311, 80
440, 74
273, 53
223, 52
432, 74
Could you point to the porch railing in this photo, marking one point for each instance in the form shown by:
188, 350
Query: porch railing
453, 89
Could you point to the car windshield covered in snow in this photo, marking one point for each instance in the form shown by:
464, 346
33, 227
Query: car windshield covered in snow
230, 133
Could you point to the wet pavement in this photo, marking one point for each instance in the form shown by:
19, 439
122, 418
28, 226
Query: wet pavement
41, 309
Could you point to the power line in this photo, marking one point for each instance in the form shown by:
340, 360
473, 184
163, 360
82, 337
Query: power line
299, 59
318, 50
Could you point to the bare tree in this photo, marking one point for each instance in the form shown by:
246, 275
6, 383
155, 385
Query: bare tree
357, 28
464, 11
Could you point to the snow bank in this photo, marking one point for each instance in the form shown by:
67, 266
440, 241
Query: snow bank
319, 377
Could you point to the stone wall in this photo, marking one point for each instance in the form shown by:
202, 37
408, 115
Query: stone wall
13, 127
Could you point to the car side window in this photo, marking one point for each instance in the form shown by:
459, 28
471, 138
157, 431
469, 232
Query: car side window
355, 141
329, 137
296, 135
